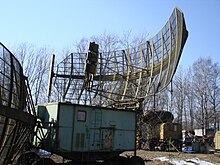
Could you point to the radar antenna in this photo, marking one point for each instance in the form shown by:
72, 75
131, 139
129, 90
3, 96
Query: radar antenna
124, 77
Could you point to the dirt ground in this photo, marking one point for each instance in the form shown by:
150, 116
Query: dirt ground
149, 157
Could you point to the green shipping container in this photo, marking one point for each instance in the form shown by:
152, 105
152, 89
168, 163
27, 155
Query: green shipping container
74, 130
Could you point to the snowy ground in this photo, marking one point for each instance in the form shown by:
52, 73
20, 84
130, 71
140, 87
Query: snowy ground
175, 158
194, 161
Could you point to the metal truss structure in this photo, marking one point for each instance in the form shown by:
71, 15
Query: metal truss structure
17, 115
124, 78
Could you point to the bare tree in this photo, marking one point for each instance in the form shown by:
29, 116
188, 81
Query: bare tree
214, 94
35, 62
206, 87
196, 95
179, 91
190, 96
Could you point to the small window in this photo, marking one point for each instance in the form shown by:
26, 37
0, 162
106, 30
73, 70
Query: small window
81, 116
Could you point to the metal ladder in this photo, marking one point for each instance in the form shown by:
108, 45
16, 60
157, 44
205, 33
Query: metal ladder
96, 139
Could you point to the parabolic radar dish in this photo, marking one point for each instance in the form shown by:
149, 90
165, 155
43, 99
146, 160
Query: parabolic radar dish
17, 113
127, 75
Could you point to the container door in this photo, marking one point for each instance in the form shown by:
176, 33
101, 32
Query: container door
66, 117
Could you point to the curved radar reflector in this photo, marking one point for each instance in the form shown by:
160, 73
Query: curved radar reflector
17, 112
131, 74
149, 68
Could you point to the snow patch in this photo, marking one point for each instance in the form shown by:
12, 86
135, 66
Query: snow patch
194, 161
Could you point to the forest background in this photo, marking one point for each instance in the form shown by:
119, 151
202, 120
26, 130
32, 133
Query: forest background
193, 96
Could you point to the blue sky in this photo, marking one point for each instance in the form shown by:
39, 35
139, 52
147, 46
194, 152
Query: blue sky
61, 23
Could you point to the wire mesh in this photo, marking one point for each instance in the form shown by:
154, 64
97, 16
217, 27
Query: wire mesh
125, 76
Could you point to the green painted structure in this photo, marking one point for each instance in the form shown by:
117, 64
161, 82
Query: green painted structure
79, 131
